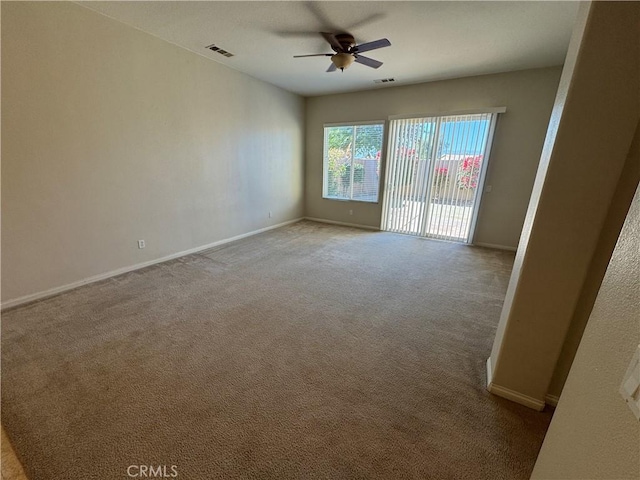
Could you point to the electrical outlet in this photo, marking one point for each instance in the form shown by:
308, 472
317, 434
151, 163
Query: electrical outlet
270, 214
350, 212
141, 244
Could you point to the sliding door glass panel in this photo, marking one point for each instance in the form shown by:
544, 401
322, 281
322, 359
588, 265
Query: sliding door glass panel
411, 144
435, 171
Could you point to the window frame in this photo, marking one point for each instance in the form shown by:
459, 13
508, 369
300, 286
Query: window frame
381, 174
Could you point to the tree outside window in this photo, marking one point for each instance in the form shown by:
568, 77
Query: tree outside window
352, 162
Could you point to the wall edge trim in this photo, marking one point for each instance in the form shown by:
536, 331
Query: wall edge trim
509, 394
345, 224
495, 246
517, 397
551, 400
489, 373
32, 297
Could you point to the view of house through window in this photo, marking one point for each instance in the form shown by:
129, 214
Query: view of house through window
352, 161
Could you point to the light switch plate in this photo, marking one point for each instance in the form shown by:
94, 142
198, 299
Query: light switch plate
630, 389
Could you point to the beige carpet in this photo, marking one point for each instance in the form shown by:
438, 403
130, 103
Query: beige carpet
10, 468
311, 351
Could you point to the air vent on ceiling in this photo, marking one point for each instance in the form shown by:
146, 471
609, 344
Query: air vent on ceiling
219, 50
385, 80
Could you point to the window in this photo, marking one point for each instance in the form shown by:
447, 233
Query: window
352, 161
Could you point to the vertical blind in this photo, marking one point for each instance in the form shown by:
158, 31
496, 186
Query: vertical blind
434, 170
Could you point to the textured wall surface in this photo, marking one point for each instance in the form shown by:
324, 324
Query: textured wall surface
110, 135
595, 117
528, 96
593, 433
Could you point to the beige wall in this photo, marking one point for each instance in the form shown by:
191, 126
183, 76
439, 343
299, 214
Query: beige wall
568, 234
110, 135
528, 96
594, 434
624, 192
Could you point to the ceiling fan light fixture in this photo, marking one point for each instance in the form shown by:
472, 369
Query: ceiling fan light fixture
342, 60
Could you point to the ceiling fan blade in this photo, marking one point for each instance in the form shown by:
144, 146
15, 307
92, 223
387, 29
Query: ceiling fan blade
333, 41
296, 34
315, 55
332, 68
365, 47
369, 62
317, 12
365, 21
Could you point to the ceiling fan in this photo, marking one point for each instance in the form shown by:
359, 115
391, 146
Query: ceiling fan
347, 52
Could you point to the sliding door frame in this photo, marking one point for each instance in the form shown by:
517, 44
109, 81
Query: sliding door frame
477, 199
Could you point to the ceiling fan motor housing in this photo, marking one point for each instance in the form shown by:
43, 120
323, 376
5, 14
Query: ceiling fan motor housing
347, 52
346, 40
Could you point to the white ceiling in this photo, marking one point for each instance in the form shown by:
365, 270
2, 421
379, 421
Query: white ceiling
430, 40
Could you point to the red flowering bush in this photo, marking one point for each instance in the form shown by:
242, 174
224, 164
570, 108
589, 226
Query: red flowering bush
404, 152
469, 171
440, 176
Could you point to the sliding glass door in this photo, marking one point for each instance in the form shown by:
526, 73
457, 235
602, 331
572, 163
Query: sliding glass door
434, 176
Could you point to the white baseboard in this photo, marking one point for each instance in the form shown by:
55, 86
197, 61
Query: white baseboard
551, 400
509, 394
517, 397
497, 247
333, 222
103, 276
489, 372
